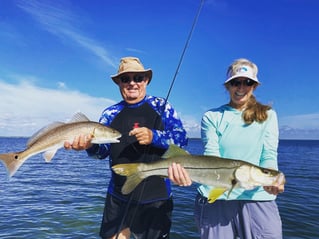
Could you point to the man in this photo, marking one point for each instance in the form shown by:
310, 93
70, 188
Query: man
148, 125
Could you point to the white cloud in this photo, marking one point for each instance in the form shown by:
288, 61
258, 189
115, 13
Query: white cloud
25, 107
191, 125
305, 121
56, 19
135, 50
61, 85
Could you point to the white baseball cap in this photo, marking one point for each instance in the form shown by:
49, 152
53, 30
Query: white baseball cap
242, 68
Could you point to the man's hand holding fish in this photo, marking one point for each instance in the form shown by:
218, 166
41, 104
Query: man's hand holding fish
80, 142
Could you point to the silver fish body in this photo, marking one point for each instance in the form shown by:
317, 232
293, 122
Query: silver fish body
52, 138
223, 174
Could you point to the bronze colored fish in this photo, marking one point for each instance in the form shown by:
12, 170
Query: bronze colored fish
52, 138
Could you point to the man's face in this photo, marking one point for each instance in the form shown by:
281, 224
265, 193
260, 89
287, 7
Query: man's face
133, 86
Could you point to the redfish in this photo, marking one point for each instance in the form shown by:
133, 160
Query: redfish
52, 137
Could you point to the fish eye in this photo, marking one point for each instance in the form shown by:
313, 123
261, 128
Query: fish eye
233, 182
266, 171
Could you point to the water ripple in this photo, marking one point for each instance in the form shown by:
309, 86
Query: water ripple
65, 198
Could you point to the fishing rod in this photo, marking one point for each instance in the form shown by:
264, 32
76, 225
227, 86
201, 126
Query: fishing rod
184, 49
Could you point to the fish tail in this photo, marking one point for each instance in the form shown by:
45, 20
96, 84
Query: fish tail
134, 177
12, 162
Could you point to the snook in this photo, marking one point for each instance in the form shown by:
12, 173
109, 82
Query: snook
52, 138
224, 174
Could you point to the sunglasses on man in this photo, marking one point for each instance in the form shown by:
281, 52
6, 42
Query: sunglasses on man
136, 78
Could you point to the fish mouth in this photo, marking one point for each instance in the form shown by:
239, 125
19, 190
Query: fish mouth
114, 140
281, 178
106, 140
117, 139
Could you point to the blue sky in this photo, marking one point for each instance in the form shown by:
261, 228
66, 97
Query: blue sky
56, 57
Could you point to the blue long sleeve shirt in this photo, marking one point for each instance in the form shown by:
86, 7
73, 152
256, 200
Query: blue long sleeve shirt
225, 134
154, 113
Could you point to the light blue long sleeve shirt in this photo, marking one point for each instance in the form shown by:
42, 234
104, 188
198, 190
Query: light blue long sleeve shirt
225, 134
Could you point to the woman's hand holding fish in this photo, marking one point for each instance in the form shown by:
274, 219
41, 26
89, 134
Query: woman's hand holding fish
80, 142
178, 175
278, 187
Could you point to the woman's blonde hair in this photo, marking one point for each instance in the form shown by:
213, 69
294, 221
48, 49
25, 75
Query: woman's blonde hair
255, 111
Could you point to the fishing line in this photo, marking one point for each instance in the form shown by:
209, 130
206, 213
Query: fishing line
184, 50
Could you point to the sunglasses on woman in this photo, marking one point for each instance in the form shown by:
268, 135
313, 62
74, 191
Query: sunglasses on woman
136, 78
245, 82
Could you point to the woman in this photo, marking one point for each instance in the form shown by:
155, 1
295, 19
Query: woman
247, 130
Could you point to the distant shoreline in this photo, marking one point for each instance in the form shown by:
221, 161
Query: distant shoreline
285, 139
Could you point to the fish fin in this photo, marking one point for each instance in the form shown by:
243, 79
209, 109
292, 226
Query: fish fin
131, 183
48, 155
174, 151
12, 162
234, 184
215, 193
79, 117
130, 170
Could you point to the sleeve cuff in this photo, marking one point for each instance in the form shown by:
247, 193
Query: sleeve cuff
93, 150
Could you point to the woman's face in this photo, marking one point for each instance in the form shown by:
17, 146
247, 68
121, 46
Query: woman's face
240, 89
133, 87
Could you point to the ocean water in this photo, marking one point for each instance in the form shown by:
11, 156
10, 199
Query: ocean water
64, 198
